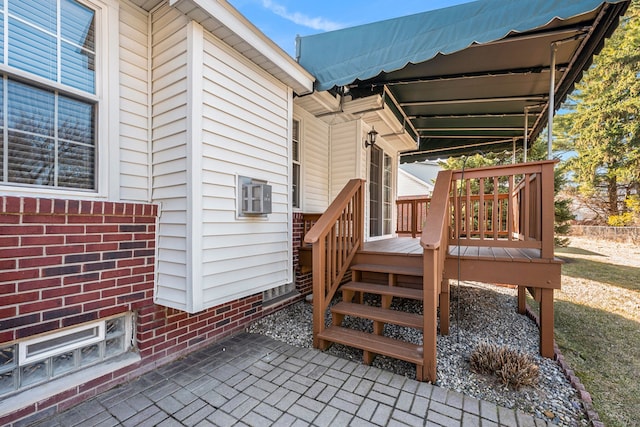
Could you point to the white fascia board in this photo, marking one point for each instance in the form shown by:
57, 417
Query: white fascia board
299, 79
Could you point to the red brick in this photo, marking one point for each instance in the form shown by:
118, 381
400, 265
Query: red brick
20, 413
116, 291
112, 311
83, 238
40, 262
65, 229
21, 230
81, 318
6, 241
144, 236
7, 288
46, 206
64, 249
43, 219
80, 278
116, 273
45, 240
39, 284
29, 204
131, 262
85, 219
130, 280
83, 297
10, 276
7, 312
8, 219
40, 306
6, 336
85, 207
98, 285
63, 312
101, 229
102, 247
62, 291
8, 264
73, 206
98, 304
144, 220
117, 237
20, 252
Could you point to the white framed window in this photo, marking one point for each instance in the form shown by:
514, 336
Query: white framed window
50, 96
296, 185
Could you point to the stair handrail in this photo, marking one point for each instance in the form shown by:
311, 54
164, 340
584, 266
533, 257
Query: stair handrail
335, 238
434, 241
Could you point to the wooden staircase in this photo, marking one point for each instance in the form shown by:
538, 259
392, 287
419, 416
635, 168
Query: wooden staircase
387, 281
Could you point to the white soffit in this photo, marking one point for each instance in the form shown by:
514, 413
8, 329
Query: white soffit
226, 23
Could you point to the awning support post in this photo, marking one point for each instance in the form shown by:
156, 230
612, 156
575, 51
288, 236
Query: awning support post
513, 159
526, 134
552, 98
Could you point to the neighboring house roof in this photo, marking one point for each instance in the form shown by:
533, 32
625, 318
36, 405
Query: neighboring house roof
230, 26
424, 171
464, 75
409, 185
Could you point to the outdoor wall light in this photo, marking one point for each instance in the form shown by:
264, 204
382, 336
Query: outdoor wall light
371, 138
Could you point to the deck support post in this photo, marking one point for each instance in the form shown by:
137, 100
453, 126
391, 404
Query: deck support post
319, 296
522, 299
445, 298
430, 315
546, 323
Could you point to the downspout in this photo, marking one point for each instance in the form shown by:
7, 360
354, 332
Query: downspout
552, 98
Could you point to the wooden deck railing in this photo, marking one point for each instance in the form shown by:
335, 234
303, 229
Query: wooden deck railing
491, 209
435, 244
336, 237
412, 212
494, 206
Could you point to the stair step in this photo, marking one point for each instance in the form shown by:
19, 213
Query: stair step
394, 269
396, 291
374, 343
379, 314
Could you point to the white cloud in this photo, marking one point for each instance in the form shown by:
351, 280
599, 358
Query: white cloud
317, 23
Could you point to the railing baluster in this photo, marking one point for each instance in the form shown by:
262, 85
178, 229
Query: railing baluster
495, 211
527, 206
481, 212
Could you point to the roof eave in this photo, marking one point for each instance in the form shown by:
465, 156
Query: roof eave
226, 23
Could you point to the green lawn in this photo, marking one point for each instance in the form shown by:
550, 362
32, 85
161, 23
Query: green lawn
597, 327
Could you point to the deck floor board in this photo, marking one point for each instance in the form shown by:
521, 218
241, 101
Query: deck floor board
491, 251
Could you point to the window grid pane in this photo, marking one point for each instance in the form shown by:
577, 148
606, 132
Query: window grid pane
63, 54
51, 139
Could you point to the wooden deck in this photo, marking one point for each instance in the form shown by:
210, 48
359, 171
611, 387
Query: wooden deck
491, 264
491, 225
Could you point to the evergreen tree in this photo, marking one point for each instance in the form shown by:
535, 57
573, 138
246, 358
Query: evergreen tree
603, 123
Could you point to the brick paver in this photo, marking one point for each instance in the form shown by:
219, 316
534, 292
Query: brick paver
259, 381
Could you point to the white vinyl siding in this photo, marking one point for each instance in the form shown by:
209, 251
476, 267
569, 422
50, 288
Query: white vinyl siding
169, 133
216, 116
315, 162
345, 152
134, 86
246, 119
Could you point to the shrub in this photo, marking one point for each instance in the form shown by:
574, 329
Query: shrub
512, 367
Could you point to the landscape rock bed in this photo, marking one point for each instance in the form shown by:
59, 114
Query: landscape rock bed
483, 313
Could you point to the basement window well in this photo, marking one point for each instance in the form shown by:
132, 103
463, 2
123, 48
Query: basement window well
44, 358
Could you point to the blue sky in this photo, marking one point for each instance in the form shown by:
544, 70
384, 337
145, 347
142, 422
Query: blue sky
282, 20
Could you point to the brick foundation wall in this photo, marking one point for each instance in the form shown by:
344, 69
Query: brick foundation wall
66, 262
304, 282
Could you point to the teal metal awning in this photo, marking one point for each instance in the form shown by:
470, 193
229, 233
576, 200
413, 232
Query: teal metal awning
467, 77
